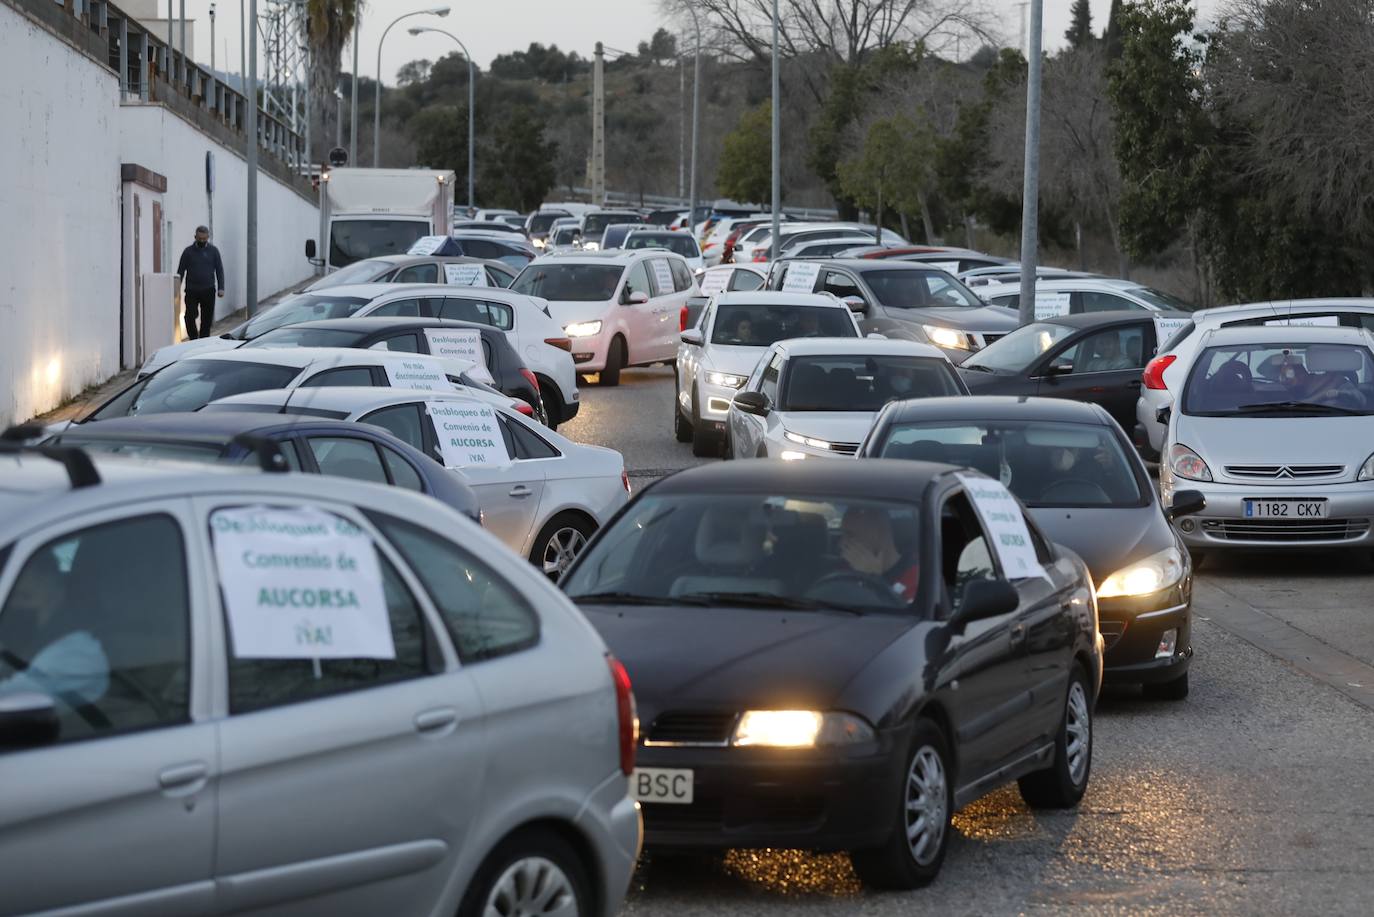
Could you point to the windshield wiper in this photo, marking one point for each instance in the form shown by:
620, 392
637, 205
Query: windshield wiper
765, 600
978, 366
634, 598
1304, 406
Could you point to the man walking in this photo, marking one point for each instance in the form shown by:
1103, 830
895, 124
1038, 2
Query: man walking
202, 274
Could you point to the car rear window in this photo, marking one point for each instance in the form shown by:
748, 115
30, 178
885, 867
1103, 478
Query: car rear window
862, 382
569, 282
761, 326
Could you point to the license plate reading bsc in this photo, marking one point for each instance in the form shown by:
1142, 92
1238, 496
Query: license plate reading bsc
662, 784
1285, 509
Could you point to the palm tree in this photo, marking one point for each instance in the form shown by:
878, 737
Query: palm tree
328, 28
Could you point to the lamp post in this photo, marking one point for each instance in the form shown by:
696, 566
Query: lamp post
420, 30
1030, 192
696, 121
353, 93
212, 37
777, 136
377, 100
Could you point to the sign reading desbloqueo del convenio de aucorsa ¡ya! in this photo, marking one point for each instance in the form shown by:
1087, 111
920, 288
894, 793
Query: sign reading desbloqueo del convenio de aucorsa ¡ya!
1005, 524
300, 583
468, 433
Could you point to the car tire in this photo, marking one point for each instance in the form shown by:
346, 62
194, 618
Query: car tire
1063, 783
553, 403
682, 427
528, 863
1173, 689
705, 443
559, 542
727, 451
926, 794
615, 361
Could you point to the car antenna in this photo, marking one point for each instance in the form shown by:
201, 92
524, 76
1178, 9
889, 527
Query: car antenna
81, 471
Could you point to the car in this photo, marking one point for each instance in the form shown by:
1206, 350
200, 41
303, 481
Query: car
954, 260
613, 236
912, 302
1092, 356
728, 278
413, 269
536, 337
677, 242
1011, 273
618, 308
495, 215
816, 397
541, 494
288, 675
358, 451
718, 354
490, 244
1074, 295
718, 245
496, 226
829, 656
594, 224
796, 232
537, 225
563, 239
664, 217
821, 247
1275, 427
1164, 374
1074, 470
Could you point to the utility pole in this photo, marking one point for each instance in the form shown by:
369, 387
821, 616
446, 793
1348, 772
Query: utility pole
777, 152
1030, 193
696, 121
243, 53
353, 102
171, 45
212, 38
681, 127
182, 10
599, 126
251, 129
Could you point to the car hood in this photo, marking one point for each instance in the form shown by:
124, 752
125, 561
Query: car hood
730, 658
174, 352
977, 380
994, 319
1108, 538
1223, 441
727, 359
832, 426
565, 312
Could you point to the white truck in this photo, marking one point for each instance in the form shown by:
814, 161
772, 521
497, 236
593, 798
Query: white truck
369, 212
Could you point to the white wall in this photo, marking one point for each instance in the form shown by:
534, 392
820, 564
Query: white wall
59, 203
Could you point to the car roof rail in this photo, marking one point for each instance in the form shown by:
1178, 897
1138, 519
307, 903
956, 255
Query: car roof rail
81, 471
266, 451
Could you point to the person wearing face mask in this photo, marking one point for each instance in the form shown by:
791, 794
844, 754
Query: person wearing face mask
868, 546
202, 273
900, 382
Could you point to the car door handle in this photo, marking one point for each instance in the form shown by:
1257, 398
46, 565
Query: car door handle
1017, 633
191, 775
440, 719
520, 490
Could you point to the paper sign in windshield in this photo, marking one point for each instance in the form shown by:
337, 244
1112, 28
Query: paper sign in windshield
460, 344
1166, 327
417, 374
1005, 525
1309, 321
663, 276
426, 245
951, 266
465, 275
1051, 305
300, 584
801, 277
468, 433
714, 282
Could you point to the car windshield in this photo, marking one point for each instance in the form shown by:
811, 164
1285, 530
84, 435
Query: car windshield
304, 307
676, 242
1043, 463
898, 289
1019, 349
1281, 380
772, 552
594, 224
354, 240
187, 452
1162, 300
358, 272
306, 337
761, 326
565, 236
862, 382
189, 385
541, 222
569, 282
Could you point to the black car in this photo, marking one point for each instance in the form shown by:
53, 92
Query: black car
411, 269
515, 251
349, 450
512, 377
1074, 470
827, 655
1093, 356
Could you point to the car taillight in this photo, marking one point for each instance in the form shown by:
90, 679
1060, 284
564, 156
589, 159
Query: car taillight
560, 343
625, 480
760, 254
1153, 377
626, 714
524, 407
529, 377
682, 319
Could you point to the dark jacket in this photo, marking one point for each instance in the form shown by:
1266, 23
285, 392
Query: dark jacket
201, 267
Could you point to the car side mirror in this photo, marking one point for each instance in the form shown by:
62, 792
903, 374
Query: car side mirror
637, 298
985, 598
1163, 415
855, 303
310, 248
1185, 503
27, 720
755, 403
692, 336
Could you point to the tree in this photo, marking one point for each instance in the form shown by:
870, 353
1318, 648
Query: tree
328, 27
1080, 33
895, 168
523, 161
416, 71
661, 47
745, 172
1112, 36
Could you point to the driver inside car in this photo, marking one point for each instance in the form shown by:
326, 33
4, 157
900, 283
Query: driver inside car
869, 548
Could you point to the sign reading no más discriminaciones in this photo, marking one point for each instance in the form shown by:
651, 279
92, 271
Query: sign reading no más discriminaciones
468, 433
1006, 527
300, 583
417, 374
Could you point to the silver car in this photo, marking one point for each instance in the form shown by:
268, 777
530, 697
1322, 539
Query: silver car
280, 693
1275, 427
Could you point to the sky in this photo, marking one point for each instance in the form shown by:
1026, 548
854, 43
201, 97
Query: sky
489, 29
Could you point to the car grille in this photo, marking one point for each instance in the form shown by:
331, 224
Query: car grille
990, 338
1284, 472
1112, 632
690, 728
844, 448
1286, 529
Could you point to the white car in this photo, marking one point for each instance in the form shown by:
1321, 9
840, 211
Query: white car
1075, 295
719, 353
1165, 373
677, 242
713, 246
1011, 273
729, 278
1274, 428
817, 397
618, 308
489, 214
796, 232
540, 493
536, 337
288, 693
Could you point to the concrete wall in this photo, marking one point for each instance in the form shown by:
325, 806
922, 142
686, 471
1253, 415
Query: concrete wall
59, 206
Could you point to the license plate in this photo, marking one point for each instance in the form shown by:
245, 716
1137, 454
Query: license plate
1285, 509
662, 784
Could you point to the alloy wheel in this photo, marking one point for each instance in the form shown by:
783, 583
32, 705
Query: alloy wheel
927, 795
560, 550
1077, 732
532, 887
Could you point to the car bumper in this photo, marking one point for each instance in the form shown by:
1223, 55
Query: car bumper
611, 822
815, 799
1132, 629
1223, 524
1145, 407
589, 353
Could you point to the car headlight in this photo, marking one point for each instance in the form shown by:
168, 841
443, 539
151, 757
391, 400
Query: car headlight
1186, 463
537, 243
591, 246
729, 380
1156, 572
582, 329
806, 440
941, 336
791, 455
799, 729
1366, 470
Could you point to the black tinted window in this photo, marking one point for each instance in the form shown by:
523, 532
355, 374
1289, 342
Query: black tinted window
402, 421
348, 457
191, 384
863, 383
760, 326
483, 312
344, 375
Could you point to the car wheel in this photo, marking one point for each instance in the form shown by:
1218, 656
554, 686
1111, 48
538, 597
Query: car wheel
553, 404
615, 361
911, 856
559, 542
728, 444
532, 873
1062, 784
705, 443
682, 427
1173, 689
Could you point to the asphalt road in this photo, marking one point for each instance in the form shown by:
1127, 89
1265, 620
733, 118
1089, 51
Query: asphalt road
1255, 795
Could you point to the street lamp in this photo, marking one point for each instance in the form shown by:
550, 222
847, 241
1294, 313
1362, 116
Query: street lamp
1030, 191
696, 120
377, 105
420, 30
